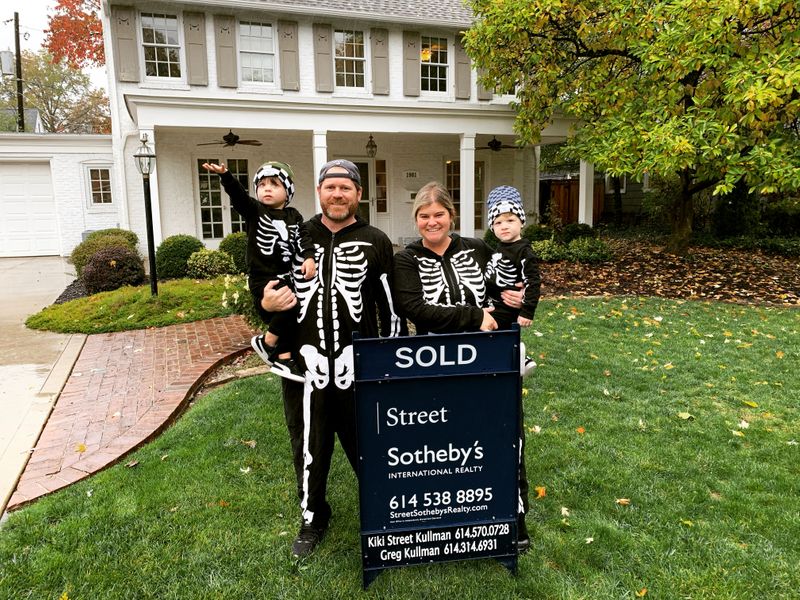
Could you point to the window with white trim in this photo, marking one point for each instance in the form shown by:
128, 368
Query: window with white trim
257, 52
100, 187
350, 58
609, 183
161, 45
453, 184
433, 64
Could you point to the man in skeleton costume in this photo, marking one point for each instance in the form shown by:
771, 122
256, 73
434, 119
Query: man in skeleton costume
349, 293
440, 285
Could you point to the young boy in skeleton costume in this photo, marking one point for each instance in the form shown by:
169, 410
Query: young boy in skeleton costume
275, 234
348, 294
513, 261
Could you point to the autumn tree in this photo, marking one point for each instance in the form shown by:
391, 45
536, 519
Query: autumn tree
708, 91
76, 33
66, 101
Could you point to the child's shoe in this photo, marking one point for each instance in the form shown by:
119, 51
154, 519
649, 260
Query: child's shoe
287, 368
266, 352
530, 365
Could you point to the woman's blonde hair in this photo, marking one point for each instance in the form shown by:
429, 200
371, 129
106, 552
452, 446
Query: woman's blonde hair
434, 192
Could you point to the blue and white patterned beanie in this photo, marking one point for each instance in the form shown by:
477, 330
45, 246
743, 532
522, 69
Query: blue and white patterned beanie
280, 170
504, 199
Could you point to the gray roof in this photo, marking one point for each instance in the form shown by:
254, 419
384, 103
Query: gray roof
453, 13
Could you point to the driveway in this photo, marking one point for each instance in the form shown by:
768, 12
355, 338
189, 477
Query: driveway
28, 358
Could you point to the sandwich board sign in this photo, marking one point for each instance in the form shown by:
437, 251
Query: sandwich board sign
438, 420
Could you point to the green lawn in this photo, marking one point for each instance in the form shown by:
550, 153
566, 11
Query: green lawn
664, 435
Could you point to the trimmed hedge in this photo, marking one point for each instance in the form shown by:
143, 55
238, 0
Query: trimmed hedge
207, 264
91, 245
132, 238
235, 245
111, 268
172, 256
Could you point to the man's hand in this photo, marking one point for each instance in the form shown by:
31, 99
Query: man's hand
277, 300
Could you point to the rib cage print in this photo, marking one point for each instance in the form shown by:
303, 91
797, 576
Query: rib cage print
468, 276
274, 234
501, 272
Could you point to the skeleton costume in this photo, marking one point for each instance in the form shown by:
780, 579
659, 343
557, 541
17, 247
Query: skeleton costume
446, 294
512, 263
349, 292
274, 237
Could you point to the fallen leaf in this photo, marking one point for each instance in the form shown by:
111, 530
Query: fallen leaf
623, 501
750, 403
244, 470
80, 448
641, 593
737, 432
223, 503
173, 509
743, 424
132, 464
687, 522
779, 354
580, 430
165, 457
89, 493
685, 416
564, 511
541, 491
63, 596
792, 443
524, 391
249, 443
589, 540
535, 429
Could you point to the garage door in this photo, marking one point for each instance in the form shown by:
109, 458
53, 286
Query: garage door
28, 225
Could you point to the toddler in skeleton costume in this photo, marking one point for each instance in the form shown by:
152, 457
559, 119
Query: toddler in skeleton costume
513, 261
275, 233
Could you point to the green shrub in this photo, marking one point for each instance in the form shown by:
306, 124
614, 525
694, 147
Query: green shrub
536, 232
574, 231
132, 238
173, 255
237, 297
207, 264
549, 250
111, 268
784, 246
86, 249
782, 217
490, 238
589, 250
235, 245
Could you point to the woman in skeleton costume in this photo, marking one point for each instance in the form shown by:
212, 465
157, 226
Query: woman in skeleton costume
440, 285
350, 291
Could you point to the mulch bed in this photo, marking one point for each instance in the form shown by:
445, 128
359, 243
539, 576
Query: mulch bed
641, 269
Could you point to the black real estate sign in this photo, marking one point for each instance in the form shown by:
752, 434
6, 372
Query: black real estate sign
438, 434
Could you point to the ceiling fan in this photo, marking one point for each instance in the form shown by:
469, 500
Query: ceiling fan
231, 139
496, 145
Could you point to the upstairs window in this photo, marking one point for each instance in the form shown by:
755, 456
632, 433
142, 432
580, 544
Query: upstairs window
433, 63
257, 52
162, 52
349, 53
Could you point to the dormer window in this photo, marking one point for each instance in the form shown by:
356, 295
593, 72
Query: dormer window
349, 58
161, 44
433, 63
257, 52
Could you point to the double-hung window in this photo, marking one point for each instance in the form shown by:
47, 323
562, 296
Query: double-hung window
257, 52
161, 44
349, 58
433, 64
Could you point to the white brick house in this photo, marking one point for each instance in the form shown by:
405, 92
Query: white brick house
311, 80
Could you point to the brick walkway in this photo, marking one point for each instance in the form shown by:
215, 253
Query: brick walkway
124, 389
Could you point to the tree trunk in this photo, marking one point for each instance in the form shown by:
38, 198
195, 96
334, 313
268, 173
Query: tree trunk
682, 213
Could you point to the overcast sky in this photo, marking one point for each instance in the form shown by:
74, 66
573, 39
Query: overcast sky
32, 23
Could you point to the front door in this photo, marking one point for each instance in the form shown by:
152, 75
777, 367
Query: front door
217, 218
366, 206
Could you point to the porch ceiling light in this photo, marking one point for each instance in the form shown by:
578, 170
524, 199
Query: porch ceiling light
372, 147
144, 157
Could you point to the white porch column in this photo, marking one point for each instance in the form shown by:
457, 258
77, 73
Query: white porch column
467, 176
320, 158
537, 159
155, 202
586, 193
